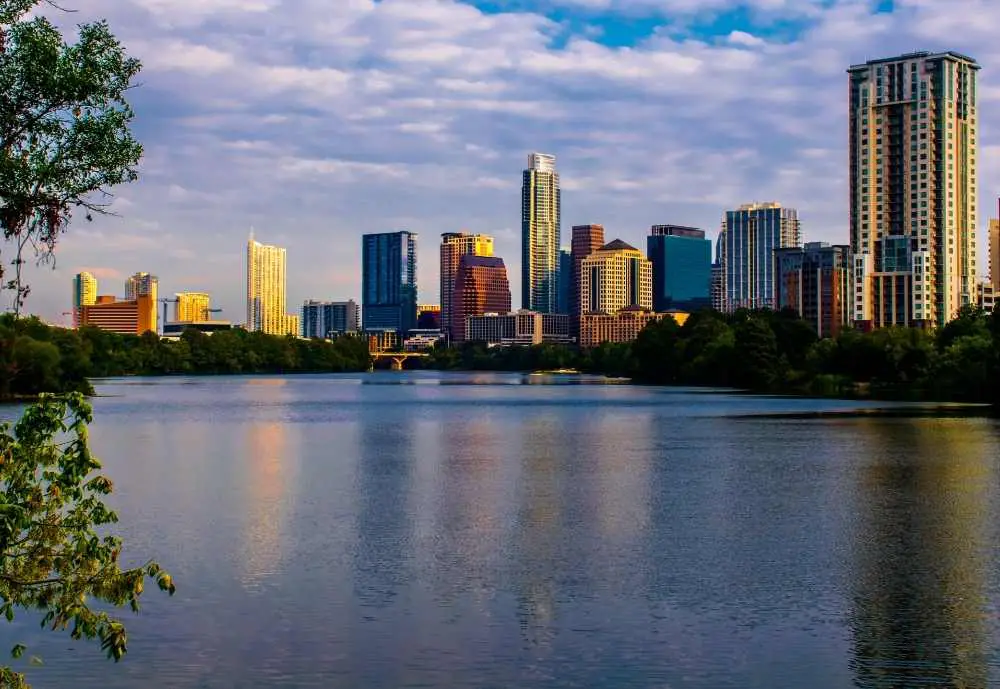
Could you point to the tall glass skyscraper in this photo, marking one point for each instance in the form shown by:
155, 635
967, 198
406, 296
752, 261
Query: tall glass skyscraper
682, 267
540, 230
913, 130
389, 281
752, 233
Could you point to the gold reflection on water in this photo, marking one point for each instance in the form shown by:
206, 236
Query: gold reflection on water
921, 547
267, 484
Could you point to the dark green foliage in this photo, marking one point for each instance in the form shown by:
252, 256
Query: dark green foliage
37, 358
53, 560
763, 351
65, 139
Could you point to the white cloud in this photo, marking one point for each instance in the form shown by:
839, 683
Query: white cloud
317, 121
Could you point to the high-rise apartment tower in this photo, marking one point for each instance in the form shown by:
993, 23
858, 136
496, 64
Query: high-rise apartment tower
540, 229
266, 289
84, 294
143, 285
913, 136
454, 245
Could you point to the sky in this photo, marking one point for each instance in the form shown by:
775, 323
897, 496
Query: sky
316, 121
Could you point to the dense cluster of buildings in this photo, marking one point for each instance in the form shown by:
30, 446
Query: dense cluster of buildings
911, 259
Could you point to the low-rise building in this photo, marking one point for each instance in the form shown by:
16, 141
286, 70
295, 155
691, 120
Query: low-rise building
623, 326
521, 328
421, 339
127, 317
986, 296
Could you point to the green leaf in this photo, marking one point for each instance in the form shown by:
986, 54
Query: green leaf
17, 651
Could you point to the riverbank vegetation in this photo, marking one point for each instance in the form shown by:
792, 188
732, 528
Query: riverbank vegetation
36, 358
778, 352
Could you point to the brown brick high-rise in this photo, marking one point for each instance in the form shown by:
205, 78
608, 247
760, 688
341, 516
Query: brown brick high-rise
481, 286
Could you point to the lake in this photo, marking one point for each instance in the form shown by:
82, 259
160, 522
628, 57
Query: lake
499, 530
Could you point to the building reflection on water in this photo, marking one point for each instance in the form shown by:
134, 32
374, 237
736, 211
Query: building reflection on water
924, 497
269, 476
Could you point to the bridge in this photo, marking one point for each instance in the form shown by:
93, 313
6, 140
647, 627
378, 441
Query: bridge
397, 359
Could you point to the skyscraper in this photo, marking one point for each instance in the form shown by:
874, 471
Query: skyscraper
454, 245
540, 230
615, 277
266, 289
585, 240
814, 281
389, 281
995, 253
752, 233
191, 306
84, 294
682, 267
481, 286
143, 285
913, 188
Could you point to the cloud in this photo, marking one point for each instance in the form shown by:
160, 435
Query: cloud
315, 122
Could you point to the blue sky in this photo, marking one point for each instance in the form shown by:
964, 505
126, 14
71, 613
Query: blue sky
315, 121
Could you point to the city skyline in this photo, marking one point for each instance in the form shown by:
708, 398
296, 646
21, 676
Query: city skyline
228, 158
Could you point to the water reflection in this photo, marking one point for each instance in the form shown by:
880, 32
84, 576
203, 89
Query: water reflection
920, 584
271, 468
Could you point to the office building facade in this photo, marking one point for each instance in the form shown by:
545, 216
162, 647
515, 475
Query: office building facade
481, 286
541, 218
565, 281
523, 328
586, 239
615, 277
994, 250
143, 285
913, 197
265, 274
389, 282
751, 233
129, 317
192, 306
454, 245
84, 294
815, 282
329, 319
623, 326
682, 267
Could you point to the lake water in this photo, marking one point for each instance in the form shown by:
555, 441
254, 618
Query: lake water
479, 530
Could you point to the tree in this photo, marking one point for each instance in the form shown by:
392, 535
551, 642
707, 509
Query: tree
52, 559
756, 364
64, 131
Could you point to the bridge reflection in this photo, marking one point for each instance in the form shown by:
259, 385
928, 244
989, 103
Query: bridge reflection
397, 360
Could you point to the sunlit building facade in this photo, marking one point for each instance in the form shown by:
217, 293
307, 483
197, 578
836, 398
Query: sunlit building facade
143, 285
265, 273
129, 317
623, 326
481, 286
814, 281
84, 294
541, 218
994, 249
454, 245
913, 138
615, 277
192, 306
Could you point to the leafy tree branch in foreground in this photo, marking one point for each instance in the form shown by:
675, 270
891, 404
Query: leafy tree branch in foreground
53, 560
